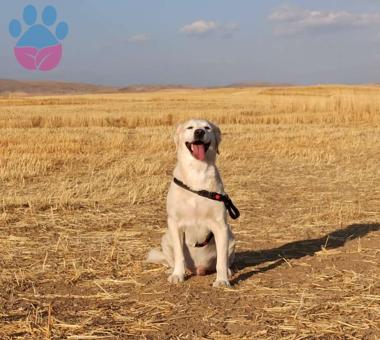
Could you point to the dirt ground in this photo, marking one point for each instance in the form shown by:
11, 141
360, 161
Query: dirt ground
74, 235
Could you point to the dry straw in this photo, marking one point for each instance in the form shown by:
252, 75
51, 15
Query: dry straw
83, 181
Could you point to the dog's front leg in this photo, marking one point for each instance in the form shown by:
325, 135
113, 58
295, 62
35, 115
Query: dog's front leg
221, 239
176, 234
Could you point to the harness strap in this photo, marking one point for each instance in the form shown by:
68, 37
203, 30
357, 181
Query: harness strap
231, 208
205, 242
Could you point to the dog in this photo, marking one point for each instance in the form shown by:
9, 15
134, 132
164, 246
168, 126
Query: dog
198, 237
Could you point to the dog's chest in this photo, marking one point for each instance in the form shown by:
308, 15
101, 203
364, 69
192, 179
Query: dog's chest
190, 209
198, 209
198, 216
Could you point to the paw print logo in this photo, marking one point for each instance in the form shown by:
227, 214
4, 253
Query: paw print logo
38, 48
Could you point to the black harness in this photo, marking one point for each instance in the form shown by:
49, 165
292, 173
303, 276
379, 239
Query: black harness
232, 210
206, 241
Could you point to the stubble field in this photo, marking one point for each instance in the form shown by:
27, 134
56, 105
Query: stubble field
83, 181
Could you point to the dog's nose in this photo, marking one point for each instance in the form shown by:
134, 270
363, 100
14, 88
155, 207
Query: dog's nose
199, 133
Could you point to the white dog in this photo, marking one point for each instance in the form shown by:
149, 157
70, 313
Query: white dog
198, 236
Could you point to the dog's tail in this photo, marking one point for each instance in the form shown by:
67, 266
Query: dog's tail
157, 256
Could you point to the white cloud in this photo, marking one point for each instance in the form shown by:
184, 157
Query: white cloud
293, 20
139, 38
202, 27
199, 27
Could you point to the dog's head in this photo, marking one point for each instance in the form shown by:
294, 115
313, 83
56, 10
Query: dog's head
198, 139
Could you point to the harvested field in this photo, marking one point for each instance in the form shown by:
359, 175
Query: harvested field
83, 181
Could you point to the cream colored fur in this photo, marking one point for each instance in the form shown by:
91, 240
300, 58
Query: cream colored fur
191, 217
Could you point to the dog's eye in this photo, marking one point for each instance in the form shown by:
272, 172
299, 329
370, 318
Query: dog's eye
207, 127
190, 127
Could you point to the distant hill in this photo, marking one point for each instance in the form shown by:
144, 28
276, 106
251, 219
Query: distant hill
20, 87
152, 88
8, 86
159, 87
258, 84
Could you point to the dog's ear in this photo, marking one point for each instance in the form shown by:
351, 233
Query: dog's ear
176, 134
218, 136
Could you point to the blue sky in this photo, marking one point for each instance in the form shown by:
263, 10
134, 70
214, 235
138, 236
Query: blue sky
207, 42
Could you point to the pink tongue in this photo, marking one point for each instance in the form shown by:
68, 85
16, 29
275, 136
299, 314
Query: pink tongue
198, 151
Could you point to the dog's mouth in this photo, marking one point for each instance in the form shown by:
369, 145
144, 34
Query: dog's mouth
198, 149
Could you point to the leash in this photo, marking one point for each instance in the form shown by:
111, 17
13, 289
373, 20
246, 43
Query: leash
231, 208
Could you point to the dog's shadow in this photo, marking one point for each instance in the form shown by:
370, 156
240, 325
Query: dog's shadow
298, 249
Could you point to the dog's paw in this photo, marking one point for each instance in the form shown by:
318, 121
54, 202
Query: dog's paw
222, 284
176, 278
